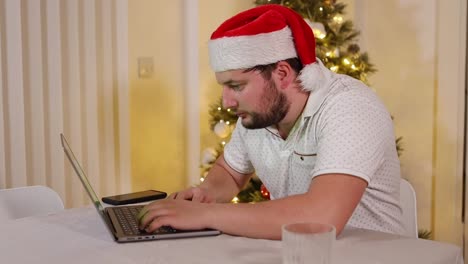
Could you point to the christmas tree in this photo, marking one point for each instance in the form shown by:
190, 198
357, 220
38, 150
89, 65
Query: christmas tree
335, 46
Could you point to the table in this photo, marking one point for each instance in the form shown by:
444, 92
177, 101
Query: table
79, 236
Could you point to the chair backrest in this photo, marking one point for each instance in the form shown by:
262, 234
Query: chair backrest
28, 201
408, 206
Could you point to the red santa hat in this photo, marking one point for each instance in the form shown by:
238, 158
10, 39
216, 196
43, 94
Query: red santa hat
263, 35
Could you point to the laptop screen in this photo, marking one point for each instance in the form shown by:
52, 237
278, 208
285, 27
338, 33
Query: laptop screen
79, 171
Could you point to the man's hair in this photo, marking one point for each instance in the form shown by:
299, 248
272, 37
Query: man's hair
267, 69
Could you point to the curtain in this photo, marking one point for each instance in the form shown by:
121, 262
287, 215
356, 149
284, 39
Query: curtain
64, 69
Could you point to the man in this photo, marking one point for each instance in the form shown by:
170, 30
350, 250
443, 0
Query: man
322, 143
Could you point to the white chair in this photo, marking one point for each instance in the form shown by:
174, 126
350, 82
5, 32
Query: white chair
28, 201
408, 206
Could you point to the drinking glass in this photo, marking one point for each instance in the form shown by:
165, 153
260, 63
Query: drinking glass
309, 243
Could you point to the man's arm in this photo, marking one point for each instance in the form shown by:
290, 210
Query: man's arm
331, 199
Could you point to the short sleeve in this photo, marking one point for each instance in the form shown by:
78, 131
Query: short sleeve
235, 151
354, 131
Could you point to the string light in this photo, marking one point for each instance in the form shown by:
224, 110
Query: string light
202, 179
229, 109
332, 53
346, 61
338, 19
223, 143
334, 68
235, 200
219, 108
319, 34
353, 67
227, 122
321, 8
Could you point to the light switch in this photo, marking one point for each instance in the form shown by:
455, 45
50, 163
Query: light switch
145, 67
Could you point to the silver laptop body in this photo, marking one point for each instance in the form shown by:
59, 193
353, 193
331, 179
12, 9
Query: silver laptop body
121, 220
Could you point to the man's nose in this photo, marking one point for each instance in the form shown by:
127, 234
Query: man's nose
228, 99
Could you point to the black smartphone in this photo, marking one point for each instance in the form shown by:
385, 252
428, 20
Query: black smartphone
135, 197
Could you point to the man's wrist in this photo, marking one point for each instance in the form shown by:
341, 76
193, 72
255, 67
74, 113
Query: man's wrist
212, 215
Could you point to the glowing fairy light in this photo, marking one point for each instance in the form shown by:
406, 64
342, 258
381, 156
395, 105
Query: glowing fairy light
319, 34
338, 19
346, 61
334, 68
333, 53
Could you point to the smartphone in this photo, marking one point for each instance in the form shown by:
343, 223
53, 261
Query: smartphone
135, 197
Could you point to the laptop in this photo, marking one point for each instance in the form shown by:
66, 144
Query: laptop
122, 221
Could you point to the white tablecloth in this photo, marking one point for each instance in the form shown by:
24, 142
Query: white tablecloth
79, 236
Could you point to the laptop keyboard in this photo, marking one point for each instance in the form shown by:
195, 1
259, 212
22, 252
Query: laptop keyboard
127, 217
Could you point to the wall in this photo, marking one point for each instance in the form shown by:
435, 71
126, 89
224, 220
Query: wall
159, 107
157, 103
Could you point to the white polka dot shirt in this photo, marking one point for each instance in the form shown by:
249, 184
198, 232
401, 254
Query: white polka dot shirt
344, 128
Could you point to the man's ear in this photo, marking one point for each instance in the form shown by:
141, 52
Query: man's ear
285, 74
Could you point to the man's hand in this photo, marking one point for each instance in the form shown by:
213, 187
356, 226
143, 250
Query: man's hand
194, 194
179, 214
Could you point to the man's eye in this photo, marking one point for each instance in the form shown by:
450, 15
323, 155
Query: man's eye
235, 87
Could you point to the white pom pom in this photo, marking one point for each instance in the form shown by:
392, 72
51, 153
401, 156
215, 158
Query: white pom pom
312, 76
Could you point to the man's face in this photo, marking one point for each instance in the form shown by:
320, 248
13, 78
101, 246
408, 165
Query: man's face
258, 102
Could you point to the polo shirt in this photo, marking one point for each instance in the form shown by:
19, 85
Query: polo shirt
345, 129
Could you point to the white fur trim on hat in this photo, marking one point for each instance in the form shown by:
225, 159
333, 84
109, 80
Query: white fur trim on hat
241, 52
313, 75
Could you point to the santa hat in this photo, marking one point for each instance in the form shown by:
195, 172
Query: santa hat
263, 35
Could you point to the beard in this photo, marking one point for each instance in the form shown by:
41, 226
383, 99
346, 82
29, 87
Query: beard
275, 106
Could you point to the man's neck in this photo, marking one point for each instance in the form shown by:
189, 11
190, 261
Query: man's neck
298, 103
